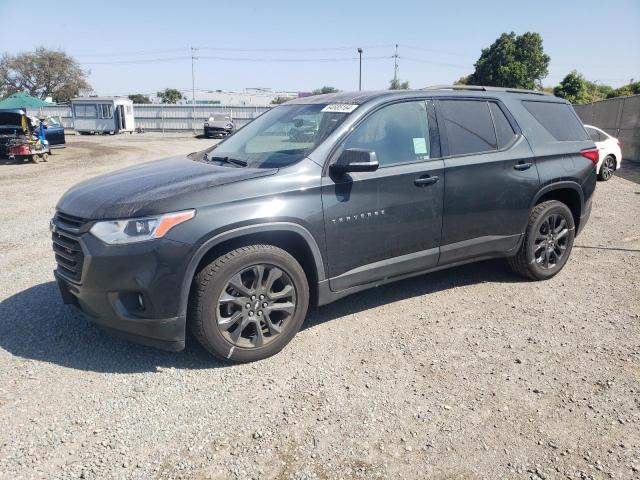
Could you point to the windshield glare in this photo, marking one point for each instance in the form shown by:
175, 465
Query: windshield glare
282, 136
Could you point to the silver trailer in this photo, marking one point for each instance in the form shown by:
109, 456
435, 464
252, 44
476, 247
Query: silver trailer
102, 115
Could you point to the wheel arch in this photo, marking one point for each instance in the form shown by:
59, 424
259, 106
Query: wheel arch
291, 237
568, 192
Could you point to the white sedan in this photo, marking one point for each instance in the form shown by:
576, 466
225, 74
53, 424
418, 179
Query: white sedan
609, 152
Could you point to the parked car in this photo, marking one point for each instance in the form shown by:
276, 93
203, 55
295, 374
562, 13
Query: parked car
219, 125
609, 152
236, 242
53, 132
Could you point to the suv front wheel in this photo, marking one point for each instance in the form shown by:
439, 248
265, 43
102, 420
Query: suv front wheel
249, 303
547, 242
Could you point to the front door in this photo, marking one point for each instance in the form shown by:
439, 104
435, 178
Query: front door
385, 223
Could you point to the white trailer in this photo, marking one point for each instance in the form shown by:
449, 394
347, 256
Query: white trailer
102, 115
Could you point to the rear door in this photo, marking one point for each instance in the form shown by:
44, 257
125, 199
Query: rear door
491, 177
388, 222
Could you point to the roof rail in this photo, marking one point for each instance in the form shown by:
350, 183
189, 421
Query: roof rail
480, 88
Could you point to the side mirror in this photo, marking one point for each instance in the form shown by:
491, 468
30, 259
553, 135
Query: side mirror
355, 160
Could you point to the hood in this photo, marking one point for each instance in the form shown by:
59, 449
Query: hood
150, 188
13, 118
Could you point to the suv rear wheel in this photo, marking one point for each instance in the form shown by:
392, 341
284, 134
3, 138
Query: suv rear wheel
547, 242
249, 303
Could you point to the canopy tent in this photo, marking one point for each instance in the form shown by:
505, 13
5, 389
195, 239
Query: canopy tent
22, 100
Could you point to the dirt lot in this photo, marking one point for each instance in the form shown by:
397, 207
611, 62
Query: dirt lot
466, 373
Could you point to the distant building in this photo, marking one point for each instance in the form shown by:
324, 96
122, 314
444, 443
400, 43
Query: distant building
249, 97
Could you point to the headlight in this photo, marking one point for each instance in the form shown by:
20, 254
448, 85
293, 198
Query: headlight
206, 124
229, 125
133, 230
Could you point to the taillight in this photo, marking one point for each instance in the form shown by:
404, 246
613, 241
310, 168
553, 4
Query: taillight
591, 154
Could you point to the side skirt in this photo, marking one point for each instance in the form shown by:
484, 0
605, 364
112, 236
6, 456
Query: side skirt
326, 295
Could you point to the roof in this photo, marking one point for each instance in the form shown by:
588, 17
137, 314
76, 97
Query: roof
22, 100
100, 99
358, 98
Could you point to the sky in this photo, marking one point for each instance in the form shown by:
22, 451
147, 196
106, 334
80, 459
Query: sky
144, 46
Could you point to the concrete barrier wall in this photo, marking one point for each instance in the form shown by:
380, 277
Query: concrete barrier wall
619, 117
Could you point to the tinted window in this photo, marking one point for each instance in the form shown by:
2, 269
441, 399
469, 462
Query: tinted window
558, 119
504, 130
398, 133
468, 126
593, 134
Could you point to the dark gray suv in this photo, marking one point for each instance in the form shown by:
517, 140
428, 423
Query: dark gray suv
237, 241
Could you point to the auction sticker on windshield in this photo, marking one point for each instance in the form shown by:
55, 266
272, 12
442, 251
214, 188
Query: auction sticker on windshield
339, 108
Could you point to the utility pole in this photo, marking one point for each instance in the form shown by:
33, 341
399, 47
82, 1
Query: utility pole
193, 88
395, 65
360, 73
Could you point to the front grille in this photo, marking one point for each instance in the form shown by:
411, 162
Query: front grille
67, 249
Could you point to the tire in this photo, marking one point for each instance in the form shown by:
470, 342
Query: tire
226, 289
544, 251
607, 168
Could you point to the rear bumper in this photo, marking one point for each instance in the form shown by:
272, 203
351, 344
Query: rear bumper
584, 218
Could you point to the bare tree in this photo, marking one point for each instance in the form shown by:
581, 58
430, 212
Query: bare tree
43, 73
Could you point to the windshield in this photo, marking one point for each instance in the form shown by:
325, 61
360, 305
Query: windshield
282, 136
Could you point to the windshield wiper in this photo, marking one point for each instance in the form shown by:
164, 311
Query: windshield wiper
233, 161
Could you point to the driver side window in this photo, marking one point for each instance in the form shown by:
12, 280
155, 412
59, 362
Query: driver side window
398, 133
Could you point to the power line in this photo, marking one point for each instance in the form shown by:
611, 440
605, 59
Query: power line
235, 59
432, 62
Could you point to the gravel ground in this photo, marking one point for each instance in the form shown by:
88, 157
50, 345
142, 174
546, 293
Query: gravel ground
465, 373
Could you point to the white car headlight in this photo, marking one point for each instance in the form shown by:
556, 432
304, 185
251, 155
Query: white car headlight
229, 125
133, 230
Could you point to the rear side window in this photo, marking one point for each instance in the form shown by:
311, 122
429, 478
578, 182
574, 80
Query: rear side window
468, 126
558, 119
595, 135
504, 130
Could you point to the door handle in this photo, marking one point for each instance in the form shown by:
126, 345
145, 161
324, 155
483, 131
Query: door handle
522, 166
426, 180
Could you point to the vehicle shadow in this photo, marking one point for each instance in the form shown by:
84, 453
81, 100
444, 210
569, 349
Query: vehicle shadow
630, 170
35, 324
488, 271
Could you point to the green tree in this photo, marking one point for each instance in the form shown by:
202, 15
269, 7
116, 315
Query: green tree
278, 100
43, 73
572, 88
320, 91
139, 98
170, 95
596, 91
512, 61
632, 88
396, 84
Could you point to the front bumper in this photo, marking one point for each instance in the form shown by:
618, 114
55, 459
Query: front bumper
132, 291
217, 131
